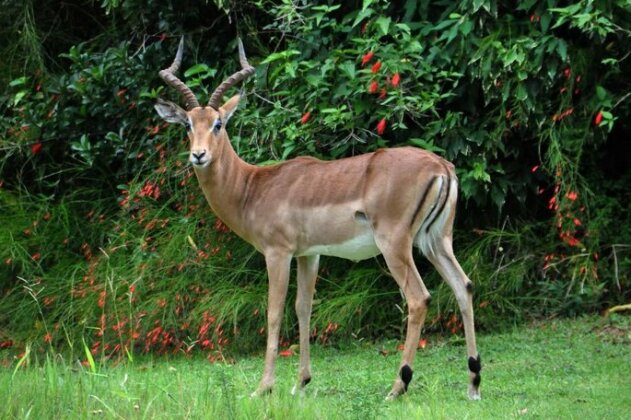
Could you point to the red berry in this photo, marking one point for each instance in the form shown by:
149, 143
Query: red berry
367, 57
381, 126
36, 148
374, 86
396, 79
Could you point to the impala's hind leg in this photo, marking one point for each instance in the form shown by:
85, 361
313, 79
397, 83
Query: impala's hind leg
445, 262
307, 275
398, 256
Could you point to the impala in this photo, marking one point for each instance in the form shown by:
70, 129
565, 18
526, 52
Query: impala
385, 202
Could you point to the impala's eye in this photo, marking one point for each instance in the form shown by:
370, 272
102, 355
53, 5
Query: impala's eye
217, 125
187, 125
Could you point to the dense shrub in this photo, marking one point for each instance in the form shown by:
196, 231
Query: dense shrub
106, 238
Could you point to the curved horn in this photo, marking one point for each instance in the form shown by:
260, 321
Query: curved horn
246, 71
168, 75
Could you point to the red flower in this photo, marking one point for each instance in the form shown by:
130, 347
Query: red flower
422, 343
305, 117
572, 196
599, 118
396, 79
48, 338
381, 126
286, 353
367, 57
383, 93
375, 67
36, 148
534, 168
36, 257
101, 301
567, 72
373, 87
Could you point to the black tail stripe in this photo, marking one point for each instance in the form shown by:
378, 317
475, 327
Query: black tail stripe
442, 206
422, 200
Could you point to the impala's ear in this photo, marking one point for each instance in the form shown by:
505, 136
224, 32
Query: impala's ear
229, 107
170, 112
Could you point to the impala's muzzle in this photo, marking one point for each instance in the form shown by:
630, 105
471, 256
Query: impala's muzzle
199, 158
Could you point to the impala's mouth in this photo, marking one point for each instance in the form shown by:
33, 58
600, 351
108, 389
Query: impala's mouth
199, 162
199, 158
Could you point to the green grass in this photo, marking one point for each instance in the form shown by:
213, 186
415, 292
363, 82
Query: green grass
567, 369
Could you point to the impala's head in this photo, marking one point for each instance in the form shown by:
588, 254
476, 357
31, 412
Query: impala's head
205, 125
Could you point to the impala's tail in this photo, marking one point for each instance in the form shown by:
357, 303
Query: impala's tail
439, 218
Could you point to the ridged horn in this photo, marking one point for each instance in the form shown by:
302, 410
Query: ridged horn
168, 75
246, 71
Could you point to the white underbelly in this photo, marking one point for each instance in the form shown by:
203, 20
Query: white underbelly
360, 247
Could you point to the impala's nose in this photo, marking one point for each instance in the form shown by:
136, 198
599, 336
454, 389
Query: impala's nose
199, 157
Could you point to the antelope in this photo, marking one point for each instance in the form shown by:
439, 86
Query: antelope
385, 202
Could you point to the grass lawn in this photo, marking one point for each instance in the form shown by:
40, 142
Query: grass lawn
552, 369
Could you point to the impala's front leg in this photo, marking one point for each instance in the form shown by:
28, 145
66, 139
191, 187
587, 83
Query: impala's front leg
307, 275
278, 263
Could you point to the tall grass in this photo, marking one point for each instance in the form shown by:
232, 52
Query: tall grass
161, 274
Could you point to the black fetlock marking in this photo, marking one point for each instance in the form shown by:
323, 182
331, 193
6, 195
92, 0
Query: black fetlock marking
428, 300
476, 380
305, 382
474, 364
406, 375
470, 287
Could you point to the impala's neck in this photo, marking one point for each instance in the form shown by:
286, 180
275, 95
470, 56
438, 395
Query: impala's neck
224, 182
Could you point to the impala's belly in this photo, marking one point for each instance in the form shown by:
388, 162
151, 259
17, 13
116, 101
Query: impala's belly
359, 247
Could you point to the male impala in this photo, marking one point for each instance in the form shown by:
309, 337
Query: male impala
386, 202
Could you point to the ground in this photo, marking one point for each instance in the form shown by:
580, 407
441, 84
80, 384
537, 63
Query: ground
546, 369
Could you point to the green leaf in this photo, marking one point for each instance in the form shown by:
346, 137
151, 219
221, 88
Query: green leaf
521, 94
197, 69
384, 24
546, 18
18, 97
466, 27
348, 68
18, 82
601, 93
90, 359
362, 15
427, 145
498, 196
479, 173
366, 4
562, 49
477, 4
442, 25
280, 56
